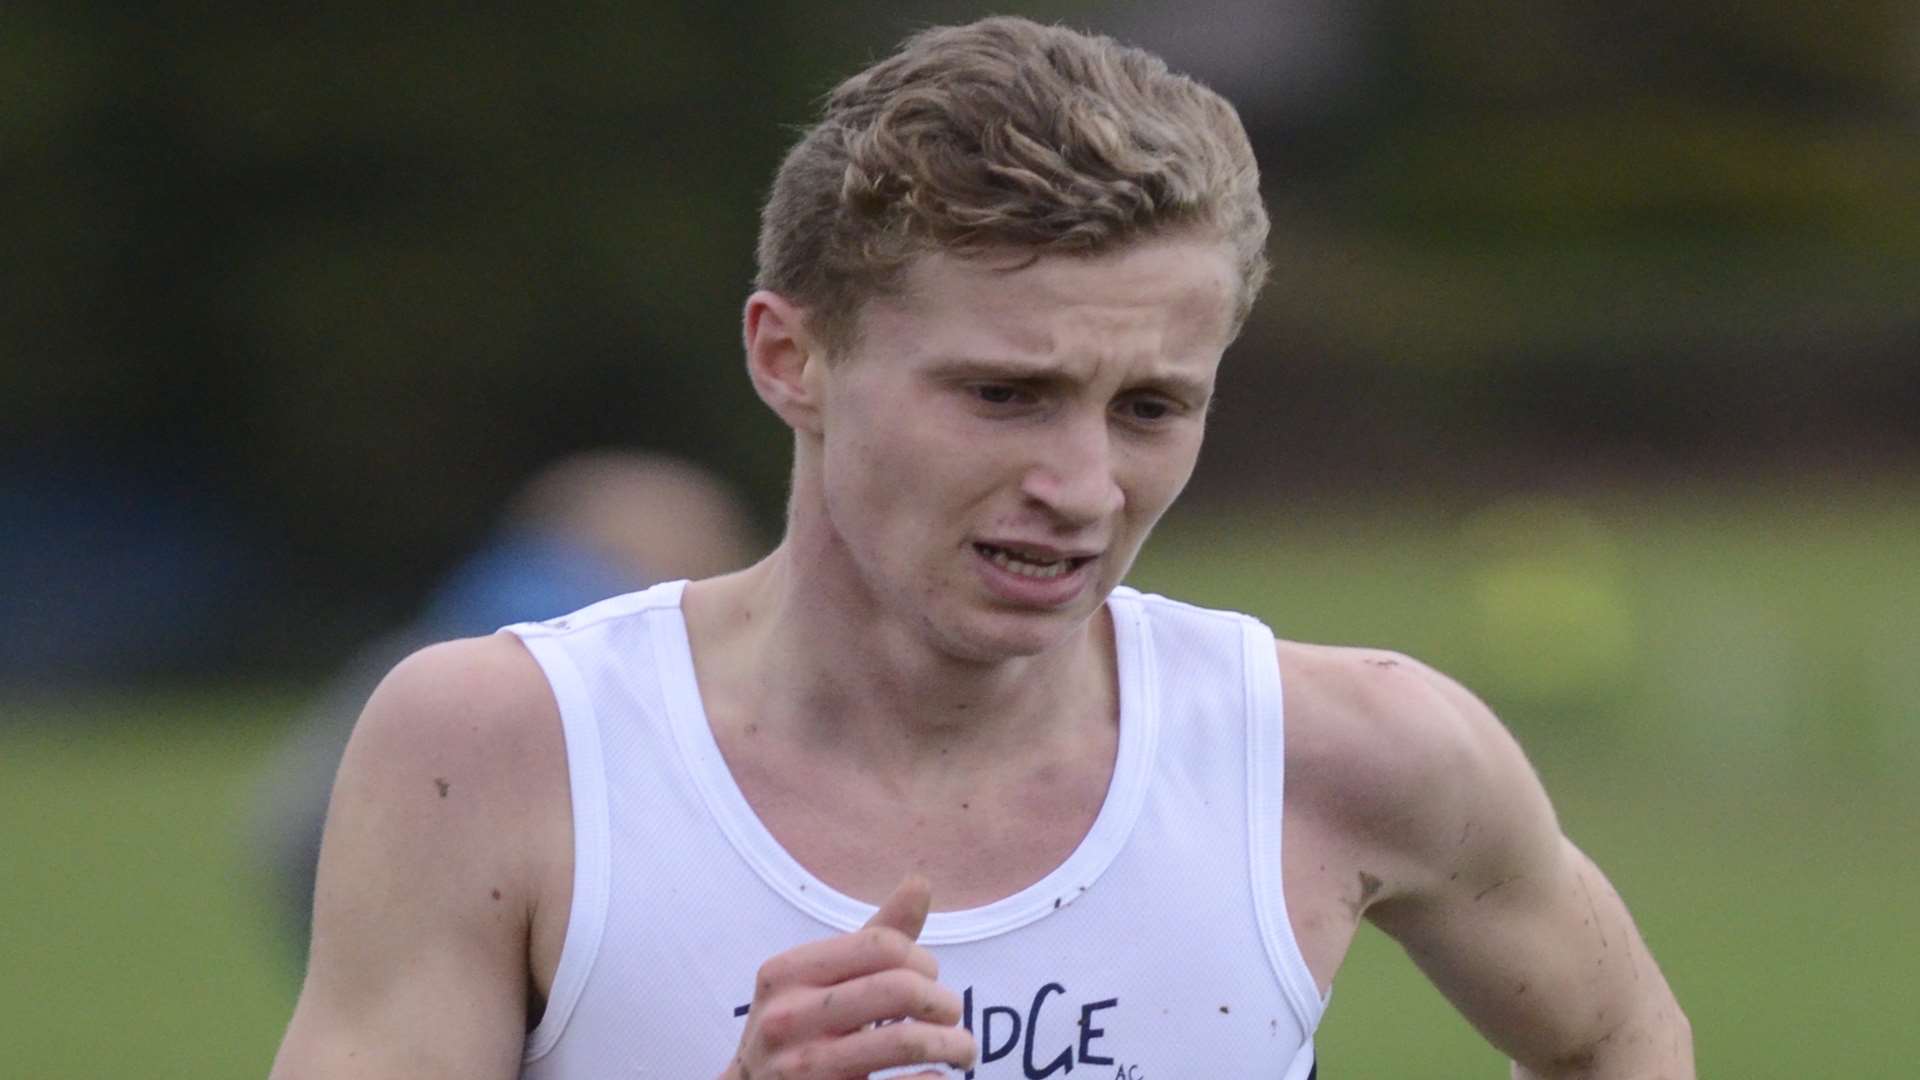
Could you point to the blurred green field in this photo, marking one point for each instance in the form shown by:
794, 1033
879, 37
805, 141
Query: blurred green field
1721, 692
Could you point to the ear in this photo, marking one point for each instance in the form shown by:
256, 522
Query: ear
784, 360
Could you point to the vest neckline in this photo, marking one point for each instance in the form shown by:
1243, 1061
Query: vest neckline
782, 873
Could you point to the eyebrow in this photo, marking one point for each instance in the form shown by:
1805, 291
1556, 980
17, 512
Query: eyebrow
1027, 371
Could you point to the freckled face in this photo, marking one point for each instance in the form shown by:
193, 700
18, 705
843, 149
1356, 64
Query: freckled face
1002, 440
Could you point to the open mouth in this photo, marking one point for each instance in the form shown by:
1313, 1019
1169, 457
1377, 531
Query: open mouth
1031, 564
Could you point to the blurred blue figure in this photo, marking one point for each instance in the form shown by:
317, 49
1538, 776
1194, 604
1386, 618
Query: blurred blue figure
588, 527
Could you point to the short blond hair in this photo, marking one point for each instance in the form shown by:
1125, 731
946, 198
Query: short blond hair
1003, 134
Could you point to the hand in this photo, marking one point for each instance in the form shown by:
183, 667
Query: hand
815, 1006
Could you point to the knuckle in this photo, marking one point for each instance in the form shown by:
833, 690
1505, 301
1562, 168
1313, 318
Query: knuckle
907, 1041
939, 1003
792, 1063
917, 958
888, 944
779, 1022
897, 983
967, 1052
954, 1045
904, 993
771, 974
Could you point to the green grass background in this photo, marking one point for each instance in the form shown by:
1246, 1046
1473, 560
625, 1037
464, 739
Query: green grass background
1722, 692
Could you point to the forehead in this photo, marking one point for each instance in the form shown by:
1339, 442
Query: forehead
1170, 296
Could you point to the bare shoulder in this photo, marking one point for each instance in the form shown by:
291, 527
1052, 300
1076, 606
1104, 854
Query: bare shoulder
478, 703
446, 840
1402, 779
1399, 759
460, 749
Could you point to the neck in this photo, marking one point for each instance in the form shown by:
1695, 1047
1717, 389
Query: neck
793, 647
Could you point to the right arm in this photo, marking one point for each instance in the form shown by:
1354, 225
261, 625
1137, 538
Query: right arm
447, 817
447, 834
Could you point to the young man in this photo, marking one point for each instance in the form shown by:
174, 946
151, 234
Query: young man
648, 839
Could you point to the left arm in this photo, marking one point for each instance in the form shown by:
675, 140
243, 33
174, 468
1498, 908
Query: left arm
1511, 921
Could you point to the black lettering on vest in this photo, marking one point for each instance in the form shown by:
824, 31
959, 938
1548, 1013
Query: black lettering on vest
988, 1051
1088, 1032
1063, 1062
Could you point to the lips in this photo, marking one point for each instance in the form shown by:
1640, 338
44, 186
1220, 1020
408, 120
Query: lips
1031, 561
1033, 573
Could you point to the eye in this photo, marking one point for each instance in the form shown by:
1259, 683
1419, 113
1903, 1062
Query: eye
1147, 409
1001, 393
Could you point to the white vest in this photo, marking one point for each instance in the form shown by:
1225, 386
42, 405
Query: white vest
1159, 950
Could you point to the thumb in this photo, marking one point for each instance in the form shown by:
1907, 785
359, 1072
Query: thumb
906, 909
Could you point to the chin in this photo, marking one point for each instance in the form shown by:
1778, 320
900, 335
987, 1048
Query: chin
994, 636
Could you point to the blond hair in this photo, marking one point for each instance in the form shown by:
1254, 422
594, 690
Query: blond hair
1003, 133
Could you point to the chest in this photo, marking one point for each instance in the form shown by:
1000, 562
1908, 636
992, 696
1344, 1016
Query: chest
978, 834
1130, 961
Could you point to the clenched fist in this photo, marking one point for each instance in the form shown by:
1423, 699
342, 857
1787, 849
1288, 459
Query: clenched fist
816, 1007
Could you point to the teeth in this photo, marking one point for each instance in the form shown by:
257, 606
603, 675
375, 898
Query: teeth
1011, 563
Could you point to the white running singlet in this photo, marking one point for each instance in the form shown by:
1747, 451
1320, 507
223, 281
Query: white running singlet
1159, 950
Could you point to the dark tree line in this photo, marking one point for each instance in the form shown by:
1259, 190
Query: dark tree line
352, 273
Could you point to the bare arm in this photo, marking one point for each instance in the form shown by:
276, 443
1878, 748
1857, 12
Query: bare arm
440, 858
439, 837
1512, 922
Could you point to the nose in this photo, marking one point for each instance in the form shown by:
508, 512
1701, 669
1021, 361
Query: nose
1076, 478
